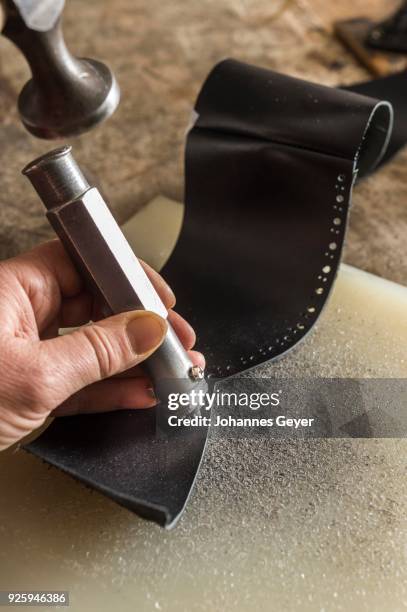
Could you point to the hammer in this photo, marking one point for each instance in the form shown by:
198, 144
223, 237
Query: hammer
66, 95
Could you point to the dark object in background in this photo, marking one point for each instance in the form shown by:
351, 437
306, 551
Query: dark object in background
66, 96
269, 166
377, 45
390, 34
353, 33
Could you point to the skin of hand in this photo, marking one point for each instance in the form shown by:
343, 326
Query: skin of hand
92, 369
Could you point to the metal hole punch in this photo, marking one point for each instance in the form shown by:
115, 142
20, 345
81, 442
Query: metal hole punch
104, 259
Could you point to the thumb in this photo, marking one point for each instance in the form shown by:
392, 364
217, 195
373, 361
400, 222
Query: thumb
102, 349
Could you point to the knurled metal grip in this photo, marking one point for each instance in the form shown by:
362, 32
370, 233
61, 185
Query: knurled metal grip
105, 260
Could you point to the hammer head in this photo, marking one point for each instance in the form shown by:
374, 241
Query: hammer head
66, 95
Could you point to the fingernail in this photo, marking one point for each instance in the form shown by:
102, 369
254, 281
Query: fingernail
200, 359
146, 331
171, 299
151, 392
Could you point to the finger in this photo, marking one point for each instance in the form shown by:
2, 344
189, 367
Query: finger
52, 261
38, 279
118, 393
163, 289
101, 350
52, 257
196, 358
112, 394
183, 329
48, 274
80, 309
76, 310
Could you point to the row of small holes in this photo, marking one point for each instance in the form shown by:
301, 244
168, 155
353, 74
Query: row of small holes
337, 221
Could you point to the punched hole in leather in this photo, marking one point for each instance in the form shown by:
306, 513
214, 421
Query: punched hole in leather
269, 167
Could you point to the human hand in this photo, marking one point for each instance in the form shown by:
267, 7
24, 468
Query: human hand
93, 369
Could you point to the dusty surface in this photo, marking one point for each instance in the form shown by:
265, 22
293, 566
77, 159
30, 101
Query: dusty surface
161, 52
317, 526
274, 525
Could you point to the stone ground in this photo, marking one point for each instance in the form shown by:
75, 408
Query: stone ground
161, 52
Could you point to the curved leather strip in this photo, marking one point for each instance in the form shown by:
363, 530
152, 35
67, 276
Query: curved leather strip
258, 103
270, 164
121, 455
394, 89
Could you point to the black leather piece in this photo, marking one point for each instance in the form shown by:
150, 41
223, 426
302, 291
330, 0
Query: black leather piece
265, 163
394, 89
390, 34
270, 163
125, 456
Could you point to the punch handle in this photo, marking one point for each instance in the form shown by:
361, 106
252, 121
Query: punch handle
105, 260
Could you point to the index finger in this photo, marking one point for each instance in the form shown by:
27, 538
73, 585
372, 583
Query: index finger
163, 289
